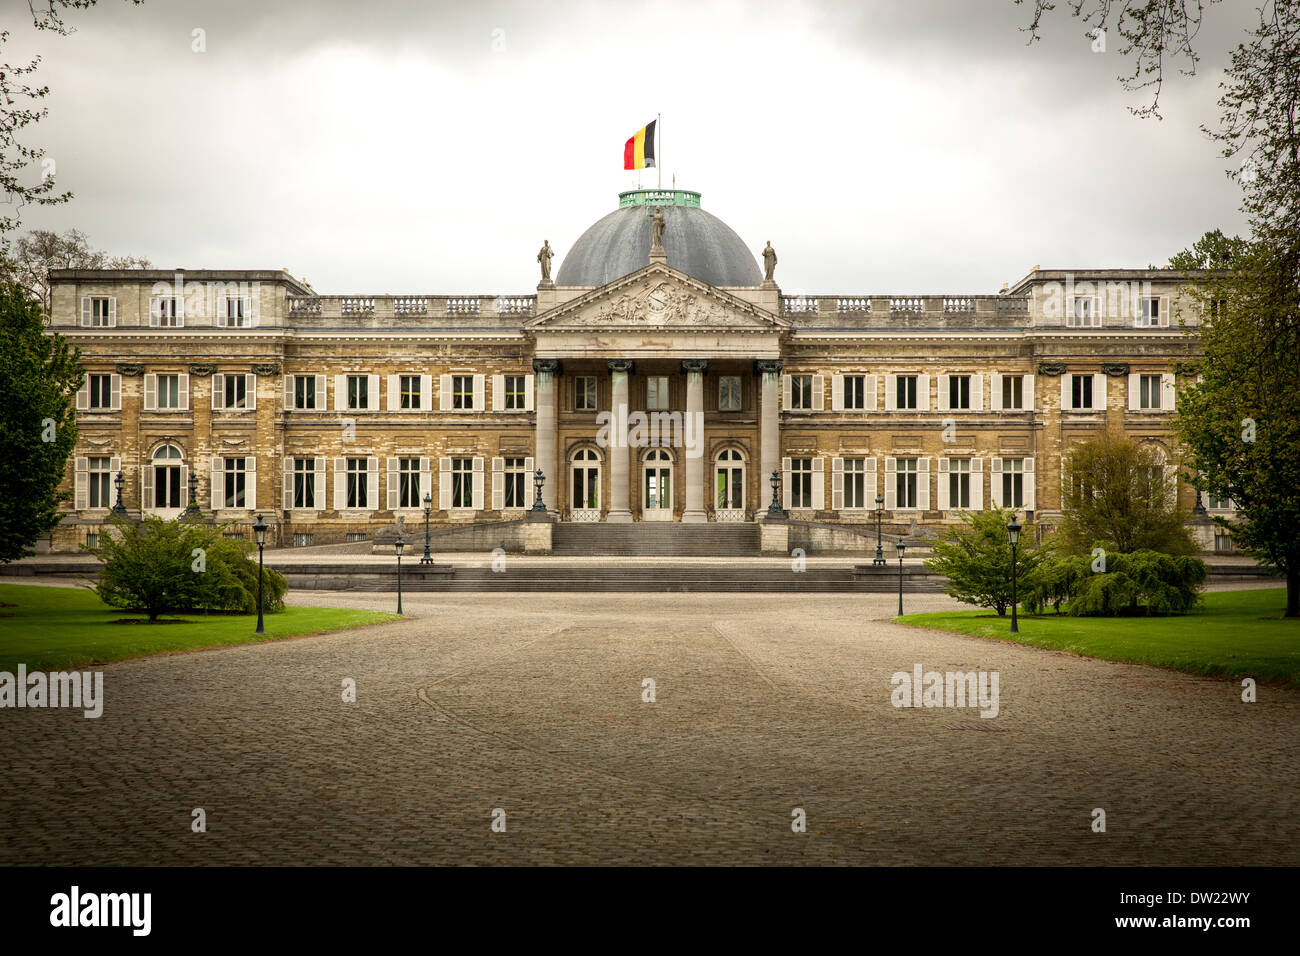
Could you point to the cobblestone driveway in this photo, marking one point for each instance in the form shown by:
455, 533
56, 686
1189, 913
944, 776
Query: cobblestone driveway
533, 704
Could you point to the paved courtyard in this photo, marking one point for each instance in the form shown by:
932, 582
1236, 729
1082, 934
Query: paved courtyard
533, 704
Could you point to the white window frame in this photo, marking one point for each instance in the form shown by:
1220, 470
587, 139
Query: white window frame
92, 316
658, 388
166, 311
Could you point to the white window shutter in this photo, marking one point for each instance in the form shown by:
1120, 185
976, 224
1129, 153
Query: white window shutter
150, 392
183, 389
819, 483
216, 483
340, 484
394, 394
995, 392
785, 483
1029, 484
943, 393
479, 397
1099, 391
185, 486
250, 391
923, 392
83, 396
1168, 393
529, 467
870, 387
869, 484
976, 484
891, 487
318, 492
81, 480
320, 392
444, 481
1027, 391
85, 310
1134, 391
146, 487
995, 481
977, 393
942, 487
115, 392
478, 481
891, 394
372, 483
250, 483
785, 392
819, 394
287, 482
372, 393
498, 478
288, 392
1066, 380
837, 483
426, 393
837, 403
340, 393
528, 394
923, 484
498, 394
155, 311
425, 479
390, 468
444, 397
218, 391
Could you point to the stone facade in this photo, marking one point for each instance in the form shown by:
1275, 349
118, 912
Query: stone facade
933, 402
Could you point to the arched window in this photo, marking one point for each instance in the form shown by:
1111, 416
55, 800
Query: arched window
657, 485
729, 484
584, 482
164, 479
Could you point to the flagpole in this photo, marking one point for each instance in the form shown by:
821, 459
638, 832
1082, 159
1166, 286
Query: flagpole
659, 160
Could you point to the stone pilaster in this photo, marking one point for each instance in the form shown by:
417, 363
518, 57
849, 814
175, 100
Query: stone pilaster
769, 423
548, 371
694, 425
619, 510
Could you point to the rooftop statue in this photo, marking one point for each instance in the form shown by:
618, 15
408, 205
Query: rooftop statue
769, 261
544, 257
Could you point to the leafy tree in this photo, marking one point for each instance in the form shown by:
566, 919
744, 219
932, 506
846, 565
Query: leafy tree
1144, 582
1213, 250
1115, 495
976, 559
31, 258
158, 566
39, 377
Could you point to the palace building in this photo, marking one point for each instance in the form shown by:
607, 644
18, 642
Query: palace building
661, 376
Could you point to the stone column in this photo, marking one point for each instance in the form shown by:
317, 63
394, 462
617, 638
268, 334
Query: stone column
694, 429
769, 429
547, 370
617, 451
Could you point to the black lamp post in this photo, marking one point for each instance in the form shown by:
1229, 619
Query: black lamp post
428, 507
880, 514
901, 548
1013, 538
192, 509
399, 545
119, 509
1198, 508
539, 480
259, 534
774, 510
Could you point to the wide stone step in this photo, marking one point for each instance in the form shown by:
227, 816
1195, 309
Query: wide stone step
648, 539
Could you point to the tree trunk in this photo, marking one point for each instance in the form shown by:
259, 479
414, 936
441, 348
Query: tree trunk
1293, 592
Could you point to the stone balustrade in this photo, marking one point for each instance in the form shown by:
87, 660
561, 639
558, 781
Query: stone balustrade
343, 306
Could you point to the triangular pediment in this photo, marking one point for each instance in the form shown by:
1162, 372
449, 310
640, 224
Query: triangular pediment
658, 297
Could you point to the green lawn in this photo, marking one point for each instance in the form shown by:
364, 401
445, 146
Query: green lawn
1236, 634
56, 628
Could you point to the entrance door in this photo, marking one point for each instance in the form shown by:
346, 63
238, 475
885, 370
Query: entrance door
585, 484
658, 486
729, 505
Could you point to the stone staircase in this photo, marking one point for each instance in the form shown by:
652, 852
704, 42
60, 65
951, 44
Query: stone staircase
656, 540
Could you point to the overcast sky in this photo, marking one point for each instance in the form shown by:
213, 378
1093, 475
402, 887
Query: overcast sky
378, 146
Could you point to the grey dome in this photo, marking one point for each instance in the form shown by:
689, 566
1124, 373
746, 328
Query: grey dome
697, 243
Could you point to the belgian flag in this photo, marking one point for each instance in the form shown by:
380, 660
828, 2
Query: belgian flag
639, 151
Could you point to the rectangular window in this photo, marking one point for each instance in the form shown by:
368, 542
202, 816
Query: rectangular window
584, 393
959, 392
165, 311
516, 478
514, 393
100, 479
1149, 391
801, 472
855, 393
959, 483
302, 540
656, 393
462, 482
238, 312
1013, 483
462, 391
236, 395
905, 487
729, 393
352, 537
1081, 312
236, 478
358, 392
408, 483
1081, 391
801, 392
304, 483
358, 482
100, 312
1212, 501
1148, 311
855, 483
101, 391
304, 391
92, 540
409, 386
169, 391
1013, 391
905, 392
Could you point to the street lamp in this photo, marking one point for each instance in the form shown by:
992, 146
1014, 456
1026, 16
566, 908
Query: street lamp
1013, 538
398, 546
192, 509
539, 480
428, 507
901, 548
259, 535
880, 514
774, 510
119, 510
